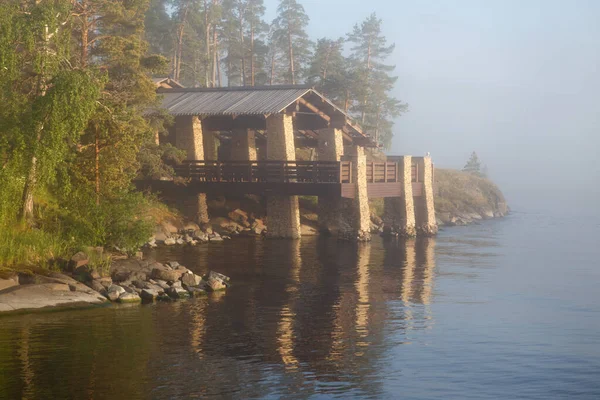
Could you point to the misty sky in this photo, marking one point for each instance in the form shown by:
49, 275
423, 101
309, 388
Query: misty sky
516, 81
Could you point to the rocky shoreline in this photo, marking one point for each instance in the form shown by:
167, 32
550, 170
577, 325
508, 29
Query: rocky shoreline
127, 281
447, 219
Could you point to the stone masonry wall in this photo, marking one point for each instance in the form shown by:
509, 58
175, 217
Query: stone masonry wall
355, 218
399, 212
283, 212
243, 145
425, 209
189, 137
331, 148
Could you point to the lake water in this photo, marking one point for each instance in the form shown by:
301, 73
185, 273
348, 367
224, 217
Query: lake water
506, 309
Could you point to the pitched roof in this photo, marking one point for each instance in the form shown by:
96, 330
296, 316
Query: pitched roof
250, 100
231, 101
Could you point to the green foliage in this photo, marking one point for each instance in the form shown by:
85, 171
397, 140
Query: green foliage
20, 247
113, 223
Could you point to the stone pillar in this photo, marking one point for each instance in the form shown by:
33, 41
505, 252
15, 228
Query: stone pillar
399, 212
211, 146
425, 209
283, 212
189, 137
354, 215
331, 148
243, 145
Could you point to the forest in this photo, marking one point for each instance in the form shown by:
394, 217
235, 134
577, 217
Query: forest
76, 82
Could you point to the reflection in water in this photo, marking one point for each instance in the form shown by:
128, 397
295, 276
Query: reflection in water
285, 327
311, 316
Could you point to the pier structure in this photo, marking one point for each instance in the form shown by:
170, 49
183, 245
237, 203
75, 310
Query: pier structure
245, 140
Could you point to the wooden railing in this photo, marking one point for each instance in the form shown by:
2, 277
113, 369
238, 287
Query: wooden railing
289, 171
382, 172
265, 171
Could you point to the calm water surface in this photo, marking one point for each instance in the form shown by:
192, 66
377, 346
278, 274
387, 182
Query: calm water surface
505, 309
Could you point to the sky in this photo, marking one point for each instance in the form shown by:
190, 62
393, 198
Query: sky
516, 81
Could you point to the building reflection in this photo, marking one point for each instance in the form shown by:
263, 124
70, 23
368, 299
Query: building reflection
312, 316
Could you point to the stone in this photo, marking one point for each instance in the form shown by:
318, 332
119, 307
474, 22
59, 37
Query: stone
216, 275
106, 281
83, 273
173, 264
163, 284
191, 226
170, 242
148, 295
35, 296
177, 292
197, 280
79, 259
114, 292
129, 298
129, 289
216, 284
98, 287
139, 284
166, 275
194, 291
7, 283
179, 241
177, 284
120, 274
188, 279
139, 255
238, 216
216, 239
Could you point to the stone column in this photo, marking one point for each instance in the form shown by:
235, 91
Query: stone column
354, 215
331, 148
189, 137
283, 212
399, 212
243, 145
211, 146
425, 209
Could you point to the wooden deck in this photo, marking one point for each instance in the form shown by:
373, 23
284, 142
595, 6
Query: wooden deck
312, 178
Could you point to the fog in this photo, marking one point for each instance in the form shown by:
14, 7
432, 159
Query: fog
515, 81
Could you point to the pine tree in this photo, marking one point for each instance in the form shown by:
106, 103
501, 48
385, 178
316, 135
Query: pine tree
373, 81
473, 166
113, 43
329, 71
289, 36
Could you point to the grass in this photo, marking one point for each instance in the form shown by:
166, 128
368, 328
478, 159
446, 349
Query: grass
22, 248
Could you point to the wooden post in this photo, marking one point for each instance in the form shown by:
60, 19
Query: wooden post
218, 171
385, 172
315, 172
372, 172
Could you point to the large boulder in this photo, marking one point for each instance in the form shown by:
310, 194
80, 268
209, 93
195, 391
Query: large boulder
98, 287
177, 292
215, 284
166, 275
188, 279
129, 298
149, 295
114, 292
240, 217
170, 242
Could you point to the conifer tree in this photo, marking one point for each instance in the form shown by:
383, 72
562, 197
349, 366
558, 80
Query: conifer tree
373, 103
290, 37
473, 165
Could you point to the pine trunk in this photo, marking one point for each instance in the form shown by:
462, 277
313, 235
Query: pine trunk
291, 56
252, 72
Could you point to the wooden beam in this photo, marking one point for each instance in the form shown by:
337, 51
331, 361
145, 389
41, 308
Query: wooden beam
314, 109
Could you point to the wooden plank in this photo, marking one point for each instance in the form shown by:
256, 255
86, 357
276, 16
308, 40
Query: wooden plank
382, 190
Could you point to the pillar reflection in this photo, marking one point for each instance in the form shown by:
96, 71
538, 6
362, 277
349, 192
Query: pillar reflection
287, 315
